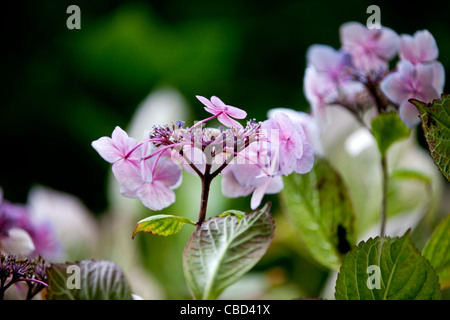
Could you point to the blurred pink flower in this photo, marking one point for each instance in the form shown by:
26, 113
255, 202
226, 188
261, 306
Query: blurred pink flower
419, 48
371, 49
410, 81
294, 152
17, 221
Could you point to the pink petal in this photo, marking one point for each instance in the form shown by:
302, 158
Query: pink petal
258, 194
395, 88
438, 76
246, 174
206, 102
426, 46
275, 185
352, 34
420, 48
218, 103
407, 48
231, 188
120, 140
211, 108
167, 173
156, 196
128, 174
409, 114
306, 162
387, 43
106, 149
227, 121
235, 112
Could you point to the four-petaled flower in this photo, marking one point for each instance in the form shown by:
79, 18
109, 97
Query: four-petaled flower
222, 111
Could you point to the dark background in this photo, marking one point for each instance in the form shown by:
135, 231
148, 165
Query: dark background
63, 88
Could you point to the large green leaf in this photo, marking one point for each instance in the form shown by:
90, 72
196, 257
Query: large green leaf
386, 269
437, 251
321, 211
161, 224
387, 129
87, 280
435, 117
223, 249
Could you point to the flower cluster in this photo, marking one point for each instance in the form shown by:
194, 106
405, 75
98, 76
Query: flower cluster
357, 76
23, 235
251, 158
14, 269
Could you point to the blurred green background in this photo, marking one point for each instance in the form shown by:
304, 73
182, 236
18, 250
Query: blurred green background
64, 88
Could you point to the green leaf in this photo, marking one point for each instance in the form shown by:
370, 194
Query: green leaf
435, 117
386, 269
223, 249
319, 206
437, 251
87, 280
409, 174
237, 213
388, 128
162, 225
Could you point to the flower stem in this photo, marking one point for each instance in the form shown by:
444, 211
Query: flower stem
206, 183
385, 178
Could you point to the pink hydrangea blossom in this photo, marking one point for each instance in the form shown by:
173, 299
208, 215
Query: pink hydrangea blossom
153, 184
410, 81
251, 158
422, 48
371, 49
419, 48
120, 150
223, 112
295, 153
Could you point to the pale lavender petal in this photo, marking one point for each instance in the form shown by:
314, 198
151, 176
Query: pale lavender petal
235, 112
420, 48
218, 103
407, 48
231, 188
120, 140
397, 85
426, 46
128, 174
409, 114
168, 173
424, 75
387, 43
306, 162
246, 174
352, 34
438, 76
227, 121
258, 194
106, 149
275, 185
156, 196
206, 102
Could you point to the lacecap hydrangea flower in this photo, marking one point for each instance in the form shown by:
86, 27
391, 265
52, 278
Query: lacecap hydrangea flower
251, 158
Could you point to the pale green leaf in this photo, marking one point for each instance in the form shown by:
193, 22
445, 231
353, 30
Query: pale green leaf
163, 225
437, 251
223, 249
387, 129
386, 269
87, 280
320, 208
